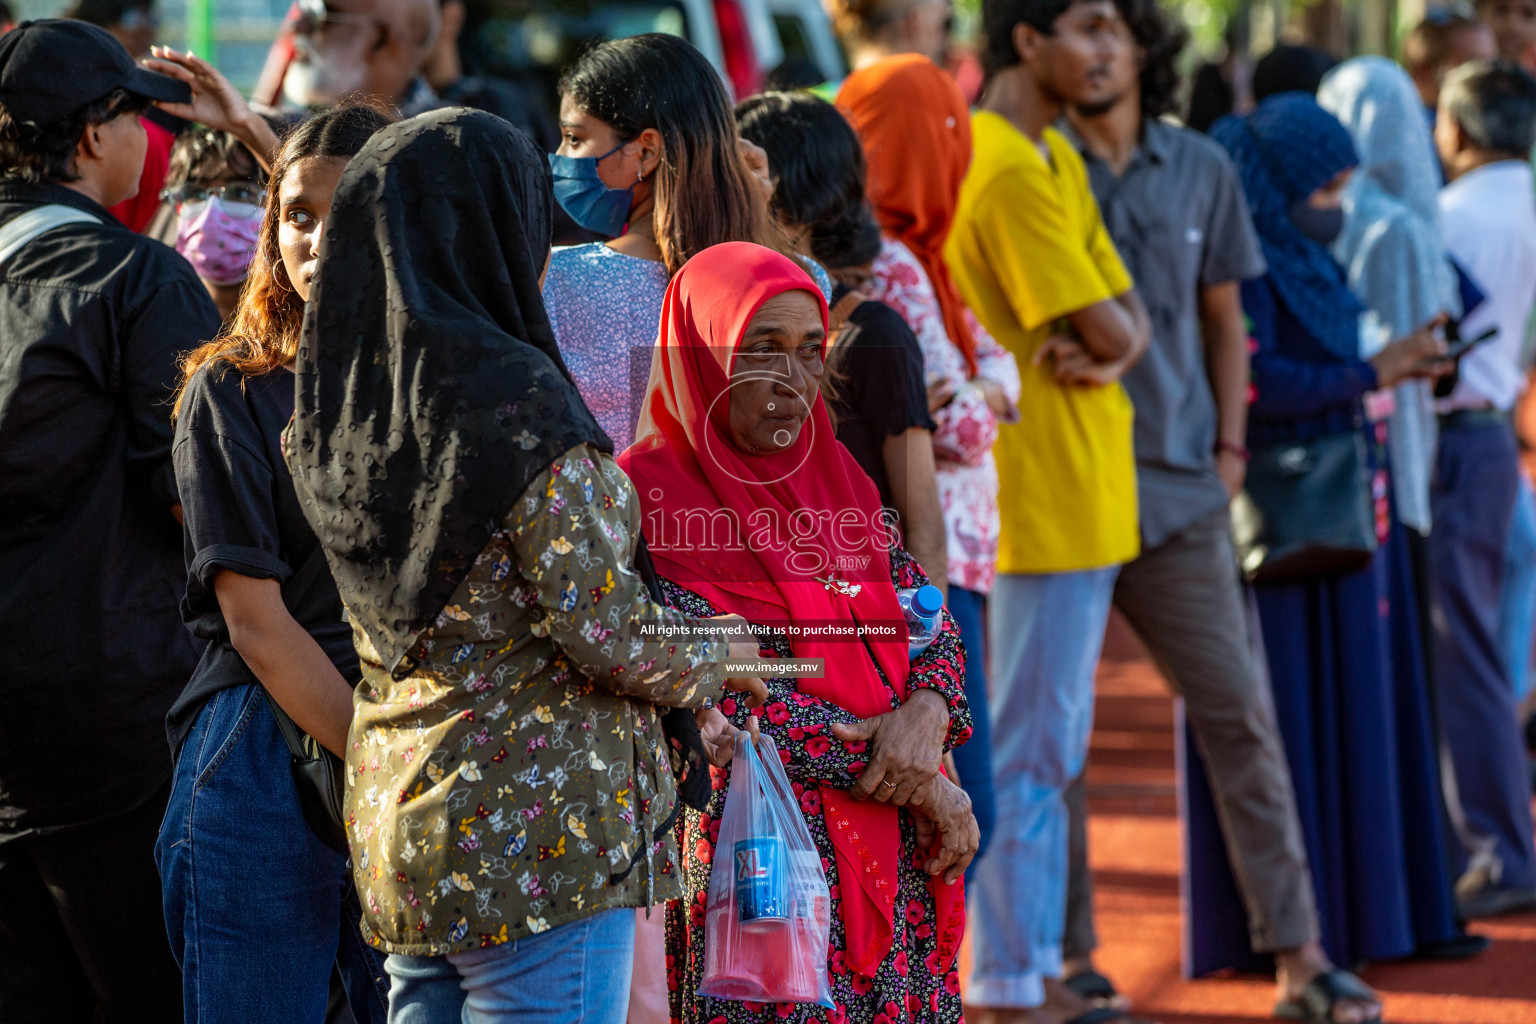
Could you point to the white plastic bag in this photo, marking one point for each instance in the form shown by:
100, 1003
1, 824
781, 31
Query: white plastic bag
768, 919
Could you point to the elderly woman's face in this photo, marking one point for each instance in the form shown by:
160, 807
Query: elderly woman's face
777, 373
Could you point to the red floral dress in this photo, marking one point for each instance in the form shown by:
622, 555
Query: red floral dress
910, 985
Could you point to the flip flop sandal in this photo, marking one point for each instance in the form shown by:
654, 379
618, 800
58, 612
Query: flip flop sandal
1322, 994
1094, 987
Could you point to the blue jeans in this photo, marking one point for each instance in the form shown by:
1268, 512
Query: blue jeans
577, 973
257, 908
974, 758
1046, 632
1517, 604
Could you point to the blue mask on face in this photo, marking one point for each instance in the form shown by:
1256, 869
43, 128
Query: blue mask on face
586, 197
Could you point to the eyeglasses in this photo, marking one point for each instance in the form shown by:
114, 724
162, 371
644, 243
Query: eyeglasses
312, 16
235, 192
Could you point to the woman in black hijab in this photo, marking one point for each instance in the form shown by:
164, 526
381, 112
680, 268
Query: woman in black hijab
507, 773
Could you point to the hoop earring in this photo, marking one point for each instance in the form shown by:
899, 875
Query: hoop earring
278, 282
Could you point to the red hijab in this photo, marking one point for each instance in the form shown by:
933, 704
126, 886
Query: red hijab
792, 538
916, 130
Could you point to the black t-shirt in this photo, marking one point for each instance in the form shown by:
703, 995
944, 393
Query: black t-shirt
92, 321
241, 514
879, 388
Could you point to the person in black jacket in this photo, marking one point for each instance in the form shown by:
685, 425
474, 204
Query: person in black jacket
92, 320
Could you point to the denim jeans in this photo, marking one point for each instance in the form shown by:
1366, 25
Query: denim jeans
577, 973
974, 757
1046, 633
257, 908
1517, 604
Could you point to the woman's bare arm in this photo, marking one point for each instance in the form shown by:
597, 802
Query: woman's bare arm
286, 659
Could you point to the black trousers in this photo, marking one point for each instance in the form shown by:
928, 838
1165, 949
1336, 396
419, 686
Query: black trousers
81, 926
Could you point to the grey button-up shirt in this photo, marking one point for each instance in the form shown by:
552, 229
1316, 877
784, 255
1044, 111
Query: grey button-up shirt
1180, 221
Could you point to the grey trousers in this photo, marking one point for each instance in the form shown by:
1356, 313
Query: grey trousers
1184, 600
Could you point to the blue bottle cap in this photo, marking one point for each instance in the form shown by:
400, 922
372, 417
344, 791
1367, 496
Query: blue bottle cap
927, 601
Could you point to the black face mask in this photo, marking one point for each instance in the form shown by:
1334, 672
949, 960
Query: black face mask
1322, 226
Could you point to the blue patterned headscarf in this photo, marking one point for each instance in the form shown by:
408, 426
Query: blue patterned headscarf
1288, 148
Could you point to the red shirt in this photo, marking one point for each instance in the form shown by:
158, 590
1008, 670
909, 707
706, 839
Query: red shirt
137, 212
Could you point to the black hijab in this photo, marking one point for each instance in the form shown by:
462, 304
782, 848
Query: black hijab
1289, 68
430, 388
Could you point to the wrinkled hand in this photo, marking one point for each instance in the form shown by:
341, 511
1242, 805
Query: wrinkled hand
719, 735
904, 748
215, 102
743, 647
947, 827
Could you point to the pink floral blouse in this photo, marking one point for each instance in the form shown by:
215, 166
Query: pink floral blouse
967, 428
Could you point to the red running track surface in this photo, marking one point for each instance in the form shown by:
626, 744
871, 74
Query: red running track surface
1134, 840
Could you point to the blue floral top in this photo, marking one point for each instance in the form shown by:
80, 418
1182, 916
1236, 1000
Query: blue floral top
605, 308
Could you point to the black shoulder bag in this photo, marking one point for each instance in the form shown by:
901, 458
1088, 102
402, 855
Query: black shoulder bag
1306, 509
319, 777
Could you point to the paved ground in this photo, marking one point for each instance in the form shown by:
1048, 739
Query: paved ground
1135, 854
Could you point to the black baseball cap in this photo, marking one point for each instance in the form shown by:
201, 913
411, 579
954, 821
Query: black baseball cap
53, 67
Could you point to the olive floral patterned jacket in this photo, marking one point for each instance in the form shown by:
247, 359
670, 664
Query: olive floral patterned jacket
517, 779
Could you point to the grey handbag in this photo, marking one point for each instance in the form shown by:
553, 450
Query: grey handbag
1306, 510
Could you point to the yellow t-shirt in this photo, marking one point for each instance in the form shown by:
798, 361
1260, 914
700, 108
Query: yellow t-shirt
1027, 248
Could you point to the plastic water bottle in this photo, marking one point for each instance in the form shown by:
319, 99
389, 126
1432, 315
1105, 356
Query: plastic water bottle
922, 607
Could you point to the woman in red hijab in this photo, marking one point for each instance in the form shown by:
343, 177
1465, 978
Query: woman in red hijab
752, 506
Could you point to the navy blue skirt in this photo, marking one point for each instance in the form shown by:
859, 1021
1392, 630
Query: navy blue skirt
1346, 663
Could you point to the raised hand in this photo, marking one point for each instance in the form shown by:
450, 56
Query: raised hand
215, 102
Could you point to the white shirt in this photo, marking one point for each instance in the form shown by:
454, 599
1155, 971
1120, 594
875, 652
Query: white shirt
1488, 223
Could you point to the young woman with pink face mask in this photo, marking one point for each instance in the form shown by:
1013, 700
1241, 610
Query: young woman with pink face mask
216, 188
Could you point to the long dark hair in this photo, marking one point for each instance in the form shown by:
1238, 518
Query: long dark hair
704, 192
264, 332
1161, 41
818, 173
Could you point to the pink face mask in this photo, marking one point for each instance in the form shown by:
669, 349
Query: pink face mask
218, 238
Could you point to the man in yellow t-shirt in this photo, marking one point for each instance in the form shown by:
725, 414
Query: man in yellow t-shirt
1034, 261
